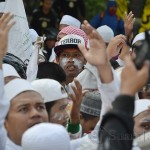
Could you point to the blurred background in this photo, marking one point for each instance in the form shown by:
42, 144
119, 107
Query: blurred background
140, 8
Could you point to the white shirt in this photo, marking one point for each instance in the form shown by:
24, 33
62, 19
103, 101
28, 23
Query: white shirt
108, 92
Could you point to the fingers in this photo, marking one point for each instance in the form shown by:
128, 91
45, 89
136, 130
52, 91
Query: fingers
5, 20
144, 72
117, 40
78, 85
77, 89
130, 17
90, 31
84, 92
87, 27
9, 26
82, 49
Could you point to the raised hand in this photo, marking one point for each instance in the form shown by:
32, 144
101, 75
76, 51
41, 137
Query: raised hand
128, 23
77, 99
5, 26
96, 54
132, 80
115, 45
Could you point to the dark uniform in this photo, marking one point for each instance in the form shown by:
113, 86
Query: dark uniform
40, 21
75, 8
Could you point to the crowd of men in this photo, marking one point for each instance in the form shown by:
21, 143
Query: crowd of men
90, 90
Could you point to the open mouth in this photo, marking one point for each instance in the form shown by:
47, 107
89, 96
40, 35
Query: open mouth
71, 67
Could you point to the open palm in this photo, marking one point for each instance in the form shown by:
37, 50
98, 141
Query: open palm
96, 54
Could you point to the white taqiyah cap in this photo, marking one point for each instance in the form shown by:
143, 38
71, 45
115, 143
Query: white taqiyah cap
15, 87
9, 70
51, 90
33, 35
106, 33
46, 136
141, 105
139, 37
70, 21
2, 6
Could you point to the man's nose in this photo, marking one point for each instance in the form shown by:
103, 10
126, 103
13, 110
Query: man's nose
71, 58
35, 113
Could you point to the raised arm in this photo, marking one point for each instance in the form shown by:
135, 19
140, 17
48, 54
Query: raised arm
5, 26
108, 83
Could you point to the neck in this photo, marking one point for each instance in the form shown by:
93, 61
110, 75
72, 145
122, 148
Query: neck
69, 80
45, 11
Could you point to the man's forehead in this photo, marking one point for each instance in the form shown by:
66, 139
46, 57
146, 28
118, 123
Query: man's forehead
28, 97
144, 114
71, 50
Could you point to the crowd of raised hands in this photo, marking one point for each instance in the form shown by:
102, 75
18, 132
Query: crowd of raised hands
98, 55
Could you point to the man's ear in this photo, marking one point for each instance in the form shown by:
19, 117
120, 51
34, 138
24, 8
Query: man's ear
6, 124
57, 60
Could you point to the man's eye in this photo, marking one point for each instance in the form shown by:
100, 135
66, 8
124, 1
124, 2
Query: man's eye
65, 55
23, 110
77, 55
146, 126
41, 107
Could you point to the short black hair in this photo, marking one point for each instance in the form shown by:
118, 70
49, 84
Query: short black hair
49, 106
51, 70
87, 117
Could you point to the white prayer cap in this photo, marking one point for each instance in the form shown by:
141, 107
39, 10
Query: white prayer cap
34, 35
46, 136
51, 90
2, 6
139, 37
9, 70
70, 21
140, 106
106, 33
15, 87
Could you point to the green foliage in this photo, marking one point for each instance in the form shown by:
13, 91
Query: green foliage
93, 7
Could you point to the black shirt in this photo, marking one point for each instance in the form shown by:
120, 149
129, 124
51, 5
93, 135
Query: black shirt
41, 21
75, 8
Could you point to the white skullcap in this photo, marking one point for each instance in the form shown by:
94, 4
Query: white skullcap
2, 6
106, 33
139, 37
141, 105
9, 70
51, 90
46, 136
70, 21
15, 87
34, 35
